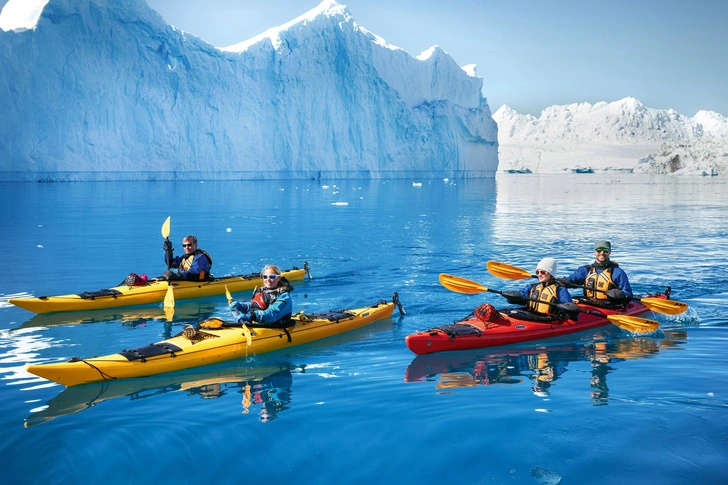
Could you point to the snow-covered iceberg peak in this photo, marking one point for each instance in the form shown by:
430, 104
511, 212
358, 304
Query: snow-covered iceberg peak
108, 90
19, 15
326, 9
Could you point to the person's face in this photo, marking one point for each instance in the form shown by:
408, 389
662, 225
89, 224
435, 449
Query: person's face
189, 246
543, 276
270, 278
602, 254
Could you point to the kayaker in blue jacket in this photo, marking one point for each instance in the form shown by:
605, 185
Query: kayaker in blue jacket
195, 265
604, 282
541, 298
271, 305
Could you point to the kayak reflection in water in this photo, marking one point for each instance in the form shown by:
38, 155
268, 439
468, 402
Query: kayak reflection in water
270, 305
541, 298
604, 283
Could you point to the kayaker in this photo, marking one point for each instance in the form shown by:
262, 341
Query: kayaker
193, 266
603, 275
271, 305
541, 298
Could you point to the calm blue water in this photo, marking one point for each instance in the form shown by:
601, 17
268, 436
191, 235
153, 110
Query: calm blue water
596, 407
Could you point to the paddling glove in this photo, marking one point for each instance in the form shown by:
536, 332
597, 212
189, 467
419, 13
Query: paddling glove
616, 294
514, 297
168, 252
245, 317
240, 307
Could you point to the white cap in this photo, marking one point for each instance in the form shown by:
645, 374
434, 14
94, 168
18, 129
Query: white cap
549, 265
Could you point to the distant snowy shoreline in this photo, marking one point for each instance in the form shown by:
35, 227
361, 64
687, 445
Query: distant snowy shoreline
622, 136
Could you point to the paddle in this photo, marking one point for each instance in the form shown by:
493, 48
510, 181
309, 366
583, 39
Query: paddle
634, 324
659, 305
469, 287
246, 330
169, 297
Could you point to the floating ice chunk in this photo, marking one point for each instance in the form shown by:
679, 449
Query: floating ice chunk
545, 476
228, 230
416, 184
339, 203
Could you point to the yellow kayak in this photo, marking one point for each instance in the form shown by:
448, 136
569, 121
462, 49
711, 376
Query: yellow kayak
195, 347
152, 292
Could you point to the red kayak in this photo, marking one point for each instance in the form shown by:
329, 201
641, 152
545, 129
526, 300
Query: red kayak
504, 327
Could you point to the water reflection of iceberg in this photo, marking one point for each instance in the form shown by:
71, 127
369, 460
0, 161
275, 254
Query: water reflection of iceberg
268, 387
540, 366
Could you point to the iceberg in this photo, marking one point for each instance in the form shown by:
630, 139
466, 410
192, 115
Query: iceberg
622, 136
99, 90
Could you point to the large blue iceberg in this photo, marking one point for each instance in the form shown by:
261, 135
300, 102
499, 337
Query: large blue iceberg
100, 90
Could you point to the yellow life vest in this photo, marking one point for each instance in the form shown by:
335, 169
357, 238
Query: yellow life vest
598, 281
186, 263
545, 294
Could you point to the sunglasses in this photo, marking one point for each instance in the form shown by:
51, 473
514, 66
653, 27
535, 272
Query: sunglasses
540, 271
270, 276
187, 245
602, 250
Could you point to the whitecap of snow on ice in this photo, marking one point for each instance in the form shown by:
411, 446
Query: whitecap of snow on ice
19, 15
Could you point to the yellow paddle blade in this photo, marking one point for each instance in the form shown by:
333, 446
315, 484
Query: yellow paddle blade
169, 298
248, 336
229, 296
169, 313
668, 307
506, 271
461, 285
165, 227
246, 398
634, 324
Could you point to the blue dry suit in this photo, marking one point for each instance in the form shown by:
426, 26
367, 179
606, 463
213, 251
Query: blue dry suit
277, 310
201, 264
618, 276
268, 307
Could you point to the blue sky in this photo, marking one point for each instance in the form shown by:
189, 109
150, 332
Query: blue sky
530, 53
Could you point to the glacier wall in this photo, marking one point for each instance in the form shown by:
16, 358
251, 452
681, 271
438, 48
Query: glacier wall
102, 90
